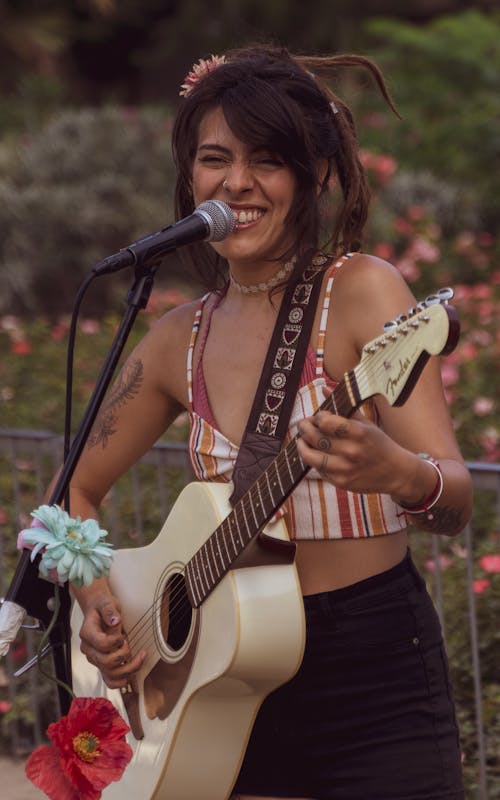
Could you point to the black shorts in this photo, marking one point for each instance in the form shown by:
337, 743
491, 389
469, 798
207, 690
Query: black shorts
369, 715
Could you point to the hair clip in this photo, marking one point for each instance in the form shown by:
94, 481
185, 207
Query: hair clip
200, 70
334, 108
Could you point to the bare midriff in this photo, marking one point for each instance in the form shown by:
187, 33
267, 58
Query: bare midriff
334, 563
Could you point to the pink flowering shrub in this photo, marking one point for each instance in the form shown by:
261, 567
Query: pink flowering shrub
459, 603
432, 252
32, 369
429, 255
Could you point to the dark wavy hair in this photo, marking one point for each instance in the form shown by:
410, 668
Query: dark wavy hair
272, 99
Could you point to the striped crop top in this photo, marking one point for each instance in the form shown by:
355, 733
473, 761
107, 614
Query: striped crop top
315, 509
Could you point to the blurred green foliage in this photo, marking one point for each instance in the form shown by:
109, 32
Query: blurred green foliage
85, 168
91, 180
445, 77
88, 183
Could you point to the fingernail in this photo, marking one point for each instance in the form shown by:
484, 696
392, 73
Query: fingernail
114, 620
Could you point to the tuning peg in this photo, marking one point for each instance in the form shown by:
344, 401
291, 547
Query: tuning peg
445, 294
389, 326
417, 309
441, 296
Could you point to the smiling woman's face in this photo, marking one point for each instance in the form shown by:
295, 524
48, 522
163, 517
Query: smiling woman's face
257, 184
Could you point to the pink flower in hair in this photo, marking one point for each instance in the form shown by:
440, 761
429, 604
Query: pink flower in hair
200, 70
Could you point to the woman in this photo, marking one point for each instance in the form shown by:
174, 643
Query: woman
369, 714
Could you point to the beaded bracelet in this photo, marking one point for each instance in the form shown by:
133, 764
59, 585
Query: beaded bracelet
425, 506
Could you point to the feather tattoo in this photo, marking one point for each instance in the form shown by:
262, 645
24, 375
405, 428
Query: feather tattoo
127, 385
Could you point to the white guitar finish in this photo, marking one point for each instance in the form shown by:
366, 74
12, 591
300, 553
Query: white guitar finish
250, 641
202, 684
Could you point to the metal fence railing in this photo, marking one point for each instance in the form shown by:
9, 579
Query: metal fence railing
134, 512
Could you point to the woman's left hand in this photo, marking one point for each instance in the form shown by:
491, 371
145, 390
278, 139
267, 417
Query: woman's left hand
353, 454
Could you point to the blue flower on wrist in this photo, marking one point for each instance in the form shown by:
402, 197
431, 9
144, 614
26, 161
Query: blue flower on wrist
72, 549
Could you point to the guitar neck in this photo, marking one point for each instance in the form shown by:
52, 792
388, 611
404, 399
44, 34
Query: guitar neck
257, 506
390, 366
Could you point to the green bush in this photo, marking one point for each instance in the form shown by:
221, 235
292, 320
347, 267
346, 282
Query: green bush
89, 183
445, 77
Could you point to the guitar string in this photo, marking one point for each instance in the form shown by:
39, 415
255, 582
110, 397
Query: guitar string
178, 594
178, 607
177, 599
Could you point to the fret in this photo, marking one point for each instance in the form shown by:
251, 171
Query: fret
197, 581
191, 585
203, 574
208, 562
234, 518
270, 489
297, 467
257, 524
342, 404
214, 554
287, 461
350, 389
220, 529
277, 482
332, 401
263, 505
240, 508
221, 557
277, 473
227, 523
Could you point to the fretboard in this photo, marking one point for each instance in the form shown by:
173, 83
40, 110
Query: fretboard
254, 510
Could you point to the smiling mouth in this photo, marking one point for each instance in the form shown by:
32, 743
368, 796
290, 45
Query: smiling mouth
247, 216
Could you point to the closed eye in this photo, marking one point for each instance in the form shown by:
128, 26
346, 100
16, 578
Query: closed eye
273, 162
212, 160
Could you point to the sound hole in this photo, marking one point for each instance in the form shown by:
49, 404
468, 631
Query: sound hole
176, 612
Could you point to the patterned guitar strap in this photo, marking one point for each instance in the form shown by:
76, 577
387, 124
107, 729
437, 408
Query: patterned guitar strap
268, 421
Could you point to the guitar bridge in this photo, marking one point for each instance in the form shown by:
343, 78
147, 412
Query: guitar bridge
130, 699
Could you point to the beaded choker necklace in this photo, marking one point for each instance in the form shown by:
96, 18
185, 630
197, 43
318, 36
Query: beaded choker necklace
264, 286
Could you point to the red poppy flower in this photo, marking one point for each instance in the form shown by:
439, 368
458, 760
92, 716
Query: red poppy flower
89, 752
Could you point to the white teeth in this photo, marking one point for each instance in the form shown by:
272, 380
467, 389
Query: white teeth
242, 217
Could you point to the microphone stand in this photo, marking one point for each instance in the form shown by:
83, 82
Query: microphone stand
34, 594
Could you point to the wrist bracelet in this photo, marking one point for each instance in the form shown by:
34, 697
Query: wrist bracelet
425, 505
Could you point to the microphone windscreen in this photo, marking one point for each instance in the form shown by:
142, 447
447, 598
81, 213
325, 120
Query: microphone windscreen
219, 217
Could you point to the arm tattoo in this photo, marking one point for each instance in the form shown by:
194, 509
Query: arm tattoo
127, 385
445, 520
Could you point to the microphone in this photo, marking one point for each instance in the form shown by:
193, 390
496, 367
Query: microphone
211, 221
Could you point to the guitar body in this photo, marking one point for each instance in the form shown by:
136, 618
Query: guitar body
217, 605
207, 669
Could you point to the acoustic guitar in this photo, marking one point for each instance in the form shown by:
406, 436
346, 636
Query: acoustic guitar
215, 600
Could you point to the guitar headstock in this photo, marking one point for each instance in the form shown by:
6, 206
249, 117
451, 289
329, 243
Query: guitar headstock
391, 363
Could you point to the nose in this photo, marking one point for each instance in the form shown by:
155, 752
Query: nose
239, 178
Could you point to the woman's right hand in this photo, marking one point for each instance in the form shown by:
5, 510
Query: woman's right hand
104, 643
